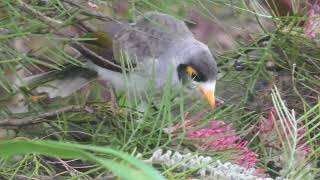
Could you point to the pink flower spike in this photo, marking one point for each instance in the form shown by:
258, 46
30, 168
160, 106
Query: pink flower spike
92, 5
217, 135
222, 137
312, 26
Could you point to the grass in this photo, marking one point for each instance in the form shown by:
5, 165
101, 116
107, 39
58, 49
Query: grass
98, 136
67, 150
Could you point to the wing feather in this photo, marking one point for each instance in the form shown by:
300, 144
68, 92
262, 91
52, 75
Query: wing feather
151, 36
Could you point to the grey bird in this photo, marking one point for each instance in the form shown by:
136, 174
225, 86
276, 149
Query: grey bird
153, 47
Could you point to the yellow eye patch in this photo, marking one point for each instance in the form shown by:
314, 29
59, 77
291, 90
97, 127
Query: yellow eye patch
191, 72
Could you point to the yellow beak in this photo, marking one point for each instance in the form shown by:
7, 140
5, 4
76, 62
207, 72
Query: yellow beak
207, 90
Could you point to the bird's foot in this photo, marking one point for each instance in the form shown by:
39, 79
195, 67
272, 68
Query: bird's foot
37, 98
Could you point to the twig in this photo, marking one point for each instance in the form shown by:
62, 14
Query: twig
249, 48
42, 117
295, 89
45, 19
24, 177
84, 50
108, 177
71, 170
85, 11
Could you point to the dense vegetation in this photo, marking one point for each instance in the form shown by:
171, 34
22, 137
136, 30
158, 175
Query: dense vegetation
268, 57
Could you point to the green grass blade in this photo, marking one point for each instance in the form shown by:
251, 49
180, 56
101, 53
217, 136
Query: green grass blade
68, 150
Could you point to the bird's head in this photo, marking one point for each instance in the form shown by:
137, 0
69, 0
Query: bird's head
198, 70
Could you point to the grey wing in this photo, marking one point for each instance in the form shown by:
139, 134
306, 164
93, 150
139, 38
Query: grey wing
151, 36
59, 83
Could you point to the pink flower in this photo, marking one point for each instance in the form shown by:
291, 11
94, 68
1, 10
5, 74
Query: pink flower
92, 5
219, 137
216, 135
275, 137
312, 26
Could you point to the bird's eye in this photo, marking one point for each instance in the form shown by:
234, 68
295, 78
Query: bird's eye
193, 74
187, 72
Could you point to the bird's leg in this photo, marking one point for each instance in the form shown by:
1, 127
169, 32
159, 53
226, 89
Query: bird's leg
37, 98
113, 96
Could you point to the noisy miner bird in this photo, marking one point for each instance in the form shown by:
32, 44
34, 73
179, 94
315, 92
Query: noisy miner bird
156, 45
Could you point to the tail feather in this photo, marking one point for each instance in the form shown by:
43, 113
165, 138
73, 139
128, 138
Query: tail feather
60, 83
62, 88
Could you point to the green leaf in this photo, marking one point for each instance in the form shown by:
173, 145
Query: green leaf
134, 170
